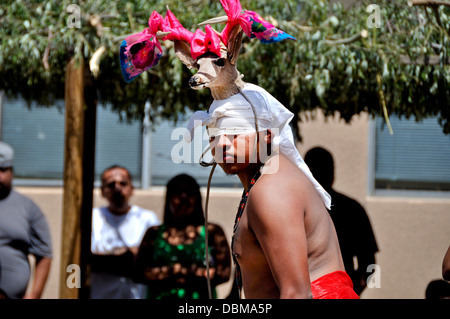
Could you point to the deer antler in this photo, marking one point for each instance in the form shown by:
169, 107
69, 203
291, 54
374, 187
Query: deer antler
217, 20
161, 35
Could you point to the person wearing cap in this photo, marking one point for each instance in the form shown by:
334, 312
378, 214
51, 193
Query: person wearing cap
23, 230
284, 242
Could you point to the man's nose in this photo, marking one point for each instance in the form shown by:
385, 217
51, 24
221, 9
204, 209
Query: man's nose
117, 187
223, 140
223, 145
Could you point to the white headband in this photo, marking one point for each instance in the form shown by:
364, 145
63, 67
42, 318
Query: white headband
230, 116
235, 116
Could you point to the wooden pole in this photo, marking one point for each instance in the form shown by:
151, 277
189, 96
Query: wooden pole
90, 117
73, 172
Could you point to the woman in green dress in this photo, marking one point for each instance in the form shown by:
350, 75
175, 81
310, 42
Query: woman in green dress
172, 257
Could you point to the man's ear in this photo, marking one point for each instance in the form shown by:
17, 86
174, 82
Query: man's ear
183, 52
234, 44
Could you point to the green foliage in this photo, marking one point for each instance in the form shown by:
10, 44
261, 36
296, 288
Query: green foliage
304, 74
342, 78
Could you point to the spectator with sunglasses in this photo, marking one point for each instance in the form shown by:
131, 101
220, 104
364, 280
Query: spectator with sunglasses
117, 230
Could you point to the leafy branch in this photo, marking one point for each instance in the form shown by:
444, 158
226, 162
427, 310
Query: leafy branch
335, 64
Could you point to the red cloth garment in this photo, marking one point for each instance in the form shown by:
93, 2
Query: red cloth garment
335, 285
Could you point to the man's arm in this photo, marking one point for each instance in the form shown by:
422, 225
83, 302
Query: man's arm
366, 245
277, 220
42, 269
41, 249
446, 265
364, 260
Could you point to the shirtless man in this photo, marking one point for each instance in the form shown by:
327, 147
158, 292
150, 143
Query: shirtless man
284, 243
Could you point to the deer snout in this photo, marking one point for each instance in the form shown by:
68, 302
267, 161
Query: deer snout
197, 82
193, 81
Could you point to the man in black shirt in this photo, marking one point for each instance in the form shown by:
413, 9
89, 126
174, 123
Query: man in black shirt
355, 234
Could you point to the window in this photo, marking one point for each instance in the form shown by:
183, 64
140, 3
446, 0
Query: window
168, 150
37, 136
117, 143
415, 158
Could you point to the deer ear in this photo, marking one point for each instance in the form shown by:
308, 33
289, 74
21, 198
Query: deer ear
183, 52
234, 44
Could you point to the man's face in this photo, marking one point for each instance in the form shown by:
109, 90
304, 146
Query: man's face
233, 152
6, 176
116, 187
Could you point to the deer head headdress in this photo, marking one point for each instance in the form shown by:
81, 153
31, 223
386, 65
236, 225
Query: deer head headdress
215, 55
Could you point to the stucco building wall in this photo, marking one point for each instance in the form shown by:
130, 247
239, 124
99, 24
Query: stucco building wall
412, 232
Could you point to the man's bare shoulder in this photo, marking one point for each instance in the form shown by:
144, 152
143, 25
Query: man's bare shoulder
281, 174
286, 186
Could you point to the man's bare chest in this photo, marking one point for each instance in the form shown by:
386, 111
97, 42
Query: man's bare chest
246, 248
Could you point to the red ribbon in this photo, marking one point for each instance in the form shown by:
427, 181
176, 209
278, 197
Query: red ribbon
205, 42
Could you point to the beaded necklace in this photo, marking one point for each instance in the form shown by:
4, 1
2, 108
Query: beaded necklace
240, 211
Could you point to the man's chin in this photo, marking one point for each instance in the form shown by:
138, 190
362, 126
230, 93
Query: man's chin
4, 192
118, 204
233, 168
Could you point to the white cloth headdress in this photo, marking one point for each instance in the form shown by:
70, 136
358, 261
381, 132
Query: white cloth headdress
235, 115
